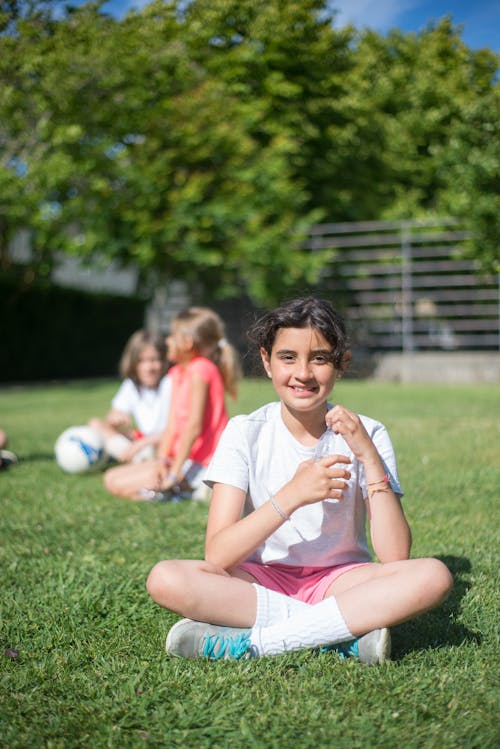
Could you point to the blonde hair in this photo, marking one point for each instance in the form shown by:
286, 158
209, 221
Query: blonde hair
133, 350
207, 331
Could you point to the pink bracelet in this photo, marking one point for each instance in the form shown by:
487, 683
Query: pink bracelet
385, 480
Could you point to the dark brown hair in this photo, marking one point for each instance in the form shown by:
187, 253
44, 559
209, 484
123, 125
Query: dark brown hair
303, 313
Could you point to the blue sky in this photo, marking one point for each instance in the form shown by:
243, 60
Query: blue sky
480, 18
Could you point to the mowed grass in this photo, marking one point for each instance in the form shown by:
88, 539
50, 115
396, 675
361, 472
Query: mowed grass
82, 653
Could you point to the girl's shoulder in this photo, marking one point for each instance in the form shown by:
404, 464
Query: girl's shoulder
268, 414
126, 388
202, 366
165, 383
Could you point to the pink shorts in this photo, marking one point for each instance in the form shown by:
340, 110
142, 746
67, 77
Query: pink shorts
308, 584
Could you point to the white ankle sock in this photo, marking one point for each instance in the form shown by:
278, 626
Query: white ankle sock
321, 624
274, 607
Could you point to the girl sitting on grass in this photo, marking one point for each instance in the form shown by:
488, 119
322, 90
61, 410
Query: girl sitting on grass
139, 410
287, 564
205, 366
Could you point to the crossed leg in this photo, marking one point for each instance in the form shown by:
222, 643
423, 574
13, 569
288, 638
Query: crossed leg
369, 597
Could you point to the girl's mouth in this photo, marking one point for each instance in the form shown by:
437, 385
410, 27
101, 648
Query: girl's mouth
302, 390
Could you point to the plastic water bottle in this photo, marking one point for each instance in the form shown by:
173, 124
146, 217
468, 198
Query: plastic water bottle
327, 445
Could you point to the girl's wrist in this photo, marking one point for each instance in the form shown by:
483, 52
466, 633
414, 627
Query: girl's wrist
373, 466
286, 503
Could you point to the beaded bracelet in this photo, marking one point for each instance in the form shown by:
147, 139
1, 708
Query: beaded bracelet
377, 491
280, 511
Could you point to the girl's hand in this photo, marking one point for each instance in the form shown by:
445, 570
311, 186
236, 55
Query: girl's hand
118, 419
349, 425
167, 479
315, 481
162, 470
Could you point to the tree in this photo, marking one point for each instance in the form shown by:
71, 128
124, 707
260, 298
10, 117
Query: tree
437, 104
126, 155
201, 140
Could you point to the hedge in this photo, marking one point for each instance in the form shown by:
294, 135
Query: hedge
50, 332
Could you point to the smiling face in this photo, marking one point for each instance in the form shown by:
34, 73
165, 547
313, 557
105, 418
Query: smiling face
180, 345
302, 370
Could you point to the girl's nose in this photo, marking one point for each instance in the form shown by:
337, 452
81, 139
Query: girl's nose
303, 370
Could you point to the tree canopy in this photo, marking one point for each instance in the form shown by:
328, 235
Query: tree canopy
201, 140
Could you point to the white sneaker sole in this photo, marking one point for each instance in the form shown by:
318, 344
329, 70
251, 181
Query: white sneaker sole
171, 635
383, 649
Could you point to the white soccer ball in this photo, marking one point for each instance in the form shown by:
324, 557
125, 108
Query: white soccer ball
79, 449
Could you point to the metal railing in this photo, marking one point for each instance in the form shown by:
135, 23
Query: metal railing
407, 285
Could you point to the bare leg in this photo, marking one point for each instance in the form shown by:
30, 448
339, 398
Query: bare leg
383, 595
127, 480
201, 591
369, 597
105, 429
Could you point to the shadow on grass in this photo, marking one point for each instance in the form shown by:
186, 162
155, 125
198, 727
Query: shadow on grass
438, 628
36, 458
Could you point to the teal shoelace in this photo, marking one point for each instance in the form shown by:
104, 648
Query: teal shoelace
226, 646
344, 649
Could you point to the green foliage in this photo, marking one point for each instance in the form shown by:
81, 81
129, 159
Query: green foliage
439, 103
202, 140
90, 669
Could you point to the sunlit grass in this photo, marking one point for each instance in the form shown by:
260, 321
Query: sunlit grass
82, 657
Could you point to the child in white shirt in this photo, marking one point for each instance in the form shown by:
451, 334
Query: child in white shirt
287, 564
139, 410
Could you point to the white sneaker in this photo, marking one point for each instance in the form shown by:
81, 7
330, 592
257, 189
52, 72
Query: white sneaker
190, 639
7, 459
372, 648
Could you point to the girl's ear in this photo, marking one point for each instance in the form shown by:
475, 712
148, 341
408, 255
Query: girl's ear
345, 360
188, 342
265, 361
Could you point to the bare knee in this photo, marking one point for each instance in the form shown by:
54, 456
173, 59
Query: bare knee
110, 482
166, 584
438, 579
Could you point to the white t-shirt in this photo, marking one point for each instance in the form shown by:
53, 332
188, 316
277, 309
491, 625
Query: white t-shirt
258, 454
148, 407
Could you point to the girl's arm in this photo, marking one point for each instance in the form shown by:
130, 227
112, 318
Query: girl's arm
230, 539
389, 530
137, 445
193, 429
118, 419
166, 437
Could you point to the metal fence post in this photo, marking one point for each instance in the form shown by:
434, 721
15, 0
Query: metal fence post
406, 289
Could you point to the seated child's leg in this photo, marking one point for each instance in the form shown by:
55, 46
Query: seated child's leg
373, 598
199, 590
383, 595
127, 480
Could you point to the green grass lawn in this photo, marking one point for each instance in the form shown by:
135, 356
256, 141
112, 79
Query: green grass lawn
82, 656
